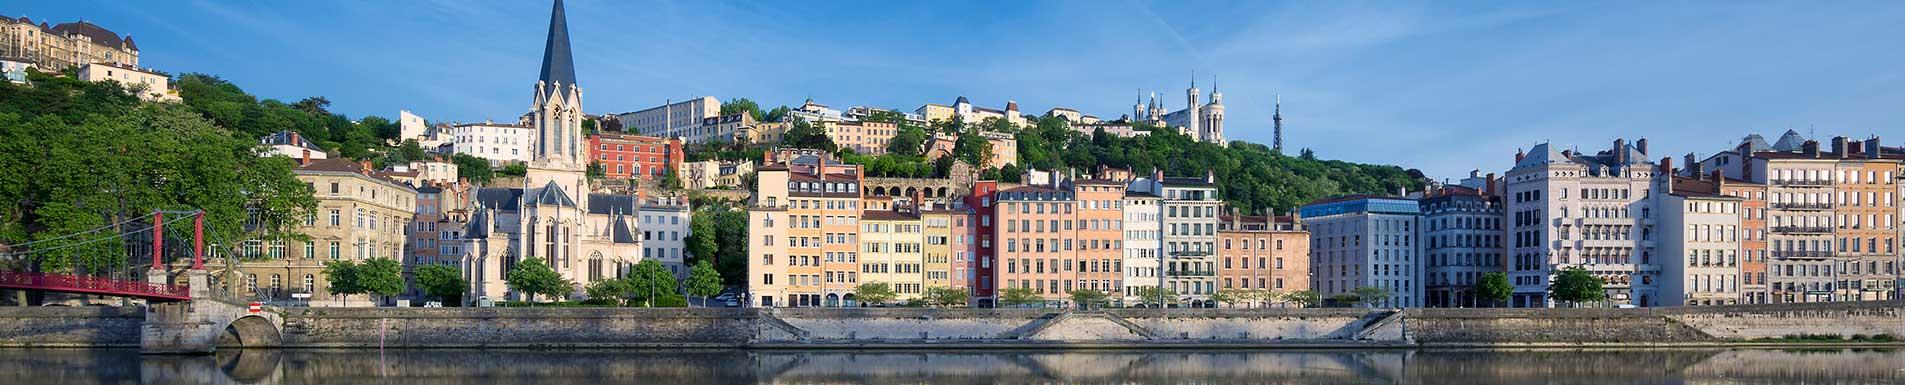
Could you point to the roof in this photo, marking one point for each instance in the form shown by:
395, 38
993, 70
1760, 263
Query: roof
284, 138
611, 204
1790, 141
478, 228
886, 215
500, 198
557, 66
98, 34
549, 194
344, 165
1183, 181
1097, 182
621, 233
1696, 188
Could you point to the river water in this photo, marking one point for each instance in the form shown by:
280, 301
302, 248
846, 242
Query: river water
677, 367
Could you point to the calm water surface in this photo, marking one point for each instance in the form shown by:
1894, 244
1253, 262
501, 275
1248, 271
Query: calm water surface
469, 367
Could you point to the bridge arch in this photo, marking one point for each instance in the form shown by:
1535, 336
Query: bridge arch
251, 331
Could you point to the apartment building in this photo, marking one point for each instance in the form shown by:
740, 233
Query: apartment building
1461, 240
864, 137
1700, 242
1361, 241
1041, 240
664, 223
1188, 209
1143, 236
149, 85
360, 216
1263, 253
804, 231
1575, 210
949, 246
983, 247
1100, 235
672, 120
625, 156
1832, 220
892, 251
498, 143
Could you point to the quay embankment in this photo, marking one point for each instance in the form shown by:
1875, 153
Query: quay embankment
913, 328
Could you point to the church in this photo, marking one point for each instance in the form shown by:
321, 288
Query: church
1203, 122
586, 237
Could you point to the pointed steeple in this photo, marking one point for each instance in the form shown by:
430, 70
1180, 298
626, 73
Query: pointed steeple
557, 66
1276, 141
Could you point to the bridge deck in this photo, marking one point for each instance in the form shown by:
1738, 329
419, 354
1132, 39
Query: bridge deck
93, 285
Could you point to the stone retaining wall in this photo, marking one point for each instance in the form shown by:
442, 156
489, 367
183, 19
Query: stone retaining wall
515, 327
64, 326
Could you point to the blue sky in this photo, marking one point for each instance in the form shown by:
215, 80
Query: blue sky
1445, 87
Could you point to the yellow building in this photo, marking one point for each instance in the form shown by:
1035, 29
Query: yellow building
66, 45
891, 252
940, 235
148, 85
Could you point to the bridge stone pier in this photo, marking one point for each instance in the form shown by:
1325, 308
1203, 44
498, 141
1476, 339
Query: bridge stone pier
207, 322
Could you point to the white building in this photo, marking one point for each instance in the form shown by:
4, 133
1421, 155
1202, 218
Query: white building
671, 120
410, 126
1198, 120
1699, 243
1187, 224
1461, 240
15, 69
1143, 254
1567, 210
1361, 241
664, 227
499, 143
291, 145
149, 85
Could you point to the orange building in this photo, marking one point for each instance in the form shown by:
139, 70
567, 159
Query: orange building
1100, 232
1263, 253
624, 156
1036, 225
1753, 255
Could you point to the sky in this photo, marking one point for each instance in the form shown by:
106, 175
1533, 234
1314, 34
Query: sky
1445, 87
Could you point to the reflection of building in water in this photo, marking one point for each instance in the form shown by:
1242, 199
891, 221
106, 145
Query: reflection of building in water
693, 367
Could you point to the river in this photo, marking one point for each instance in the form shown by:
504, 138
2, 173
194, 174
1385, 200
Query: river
547, 367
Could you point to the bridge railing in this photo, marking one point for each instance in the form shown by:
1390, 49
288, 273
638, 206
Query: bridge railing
66, 282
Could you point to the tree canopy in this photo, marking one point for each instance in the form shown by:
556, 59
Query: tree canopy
533, 277
1576, 285
442, 281
1493, 288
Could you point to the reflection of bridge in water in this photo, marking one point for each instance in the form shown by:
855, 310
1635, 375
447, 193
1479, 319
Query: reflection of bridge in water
692, 367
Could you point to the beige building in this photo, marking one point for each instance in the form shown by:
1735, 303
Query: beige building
1005, 148
709, 174
864, 137
359, 216
892, 251
65, 45
803, 238
149, 85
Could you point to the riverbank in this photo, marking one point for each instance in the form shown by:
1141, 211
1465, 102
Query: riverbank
907, 328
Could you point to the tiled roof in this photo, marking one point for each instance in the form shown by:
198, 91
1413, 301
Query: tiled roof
98, 34
886, 215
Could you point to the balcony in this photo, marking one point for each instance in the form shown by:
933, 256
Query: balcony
1190, 273
1803, 229
1802, 254
1802, 206
1802, 183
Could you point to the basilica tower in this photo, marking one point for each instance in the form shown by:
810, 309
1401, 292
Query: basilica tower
556, 113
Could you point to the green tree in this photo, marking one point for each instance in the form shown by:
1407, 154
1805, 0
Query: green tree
1018, 297
1370, 296
341, 276
1305, 298
380, 276
1088, 298
874, 293
1154, 295
743, 105
1493, 288
946, 296
652, 285
776, 114
472, 168
515, 170
1576, 285
1232, 297
532, 277
595, 171
907, 142
442, 281
411, 151
808, 135
704, 241
703, 281
608, 291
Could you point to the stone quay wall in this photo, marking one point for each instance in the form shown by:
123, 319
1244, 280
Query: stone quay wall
983, 328
71, 326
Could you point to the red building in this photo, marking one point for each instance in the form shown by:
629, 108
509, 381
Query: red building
981, 202
634, 156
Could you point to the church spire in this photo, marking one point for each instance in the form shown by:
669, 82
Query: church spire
557, 66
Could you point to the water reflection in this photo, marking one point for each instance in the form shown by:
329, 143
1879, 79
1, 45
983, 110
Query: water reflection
465, 367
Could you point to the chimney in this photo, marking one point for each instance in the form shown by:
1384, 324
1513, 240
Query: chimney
1719, 181
365, 166
1620, 151
1519, 155
767, 157
1235, 221
1210, 176
1157, 175
1838, 146
1872, 149
1855, 149
1695, 167
1641, 145
919, 201
306, 159
1810, 149
1568, 153
1666, 173
820, 169
1488, 186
